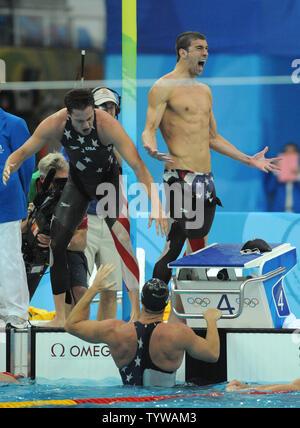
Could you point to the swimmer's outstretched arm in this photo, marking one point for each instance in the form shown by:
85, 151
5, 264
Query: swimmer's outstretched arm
78, 323
46, 132
224, 147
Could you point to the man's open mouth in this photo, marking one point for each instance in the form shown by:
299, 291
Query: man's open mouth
201, 63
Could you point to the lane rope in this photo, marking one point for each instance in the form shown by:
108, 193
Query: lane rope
111, 400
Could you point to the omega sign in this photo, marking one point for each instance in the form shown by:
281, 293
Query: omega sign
58, 350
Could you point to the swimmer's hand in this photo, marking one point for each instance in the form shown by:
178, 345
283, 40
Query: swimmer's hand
154, 153
260, 162
9, 168
212, 314
161, 223
100, 282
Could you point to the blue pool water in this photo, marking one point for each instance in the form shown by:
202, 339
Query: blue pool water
65, 389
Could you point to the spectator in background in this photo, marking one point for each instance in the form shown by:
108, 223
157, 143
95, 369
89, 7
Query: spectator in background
283, 187
14, 296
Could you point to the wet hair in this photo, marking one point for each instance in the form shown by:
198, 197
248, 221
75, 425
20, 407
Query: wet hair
79, 99
184, 40
155, 295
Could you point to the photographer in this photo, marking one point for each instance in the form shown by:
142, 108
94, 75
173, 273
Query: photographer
48, 185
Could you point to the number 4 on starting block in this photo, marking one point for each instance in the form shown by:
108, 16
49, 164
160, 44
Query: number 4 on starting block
228, 307
280, 300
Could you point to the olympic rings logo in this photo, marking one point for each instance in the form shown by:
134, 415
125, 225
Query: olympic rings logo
250, 303
198, 301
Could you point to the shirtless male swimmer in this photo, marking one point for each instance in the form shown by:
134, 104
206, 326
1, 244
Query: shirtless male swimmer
182, 108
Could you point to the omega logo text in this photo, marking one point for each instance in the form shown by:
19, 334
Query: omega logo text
58, 350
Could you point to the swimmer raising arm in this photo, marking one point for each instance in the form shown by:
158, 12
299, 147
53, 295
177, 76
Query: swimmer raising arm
222, 146
181, 108
142, 341
78, 322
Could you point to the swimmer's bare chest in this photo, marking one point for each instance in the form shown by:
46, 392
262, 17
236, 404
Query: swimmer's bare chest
185, 128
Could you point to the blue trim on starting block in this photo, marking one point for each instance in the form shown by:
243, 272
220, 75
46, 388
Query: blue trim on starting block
275, 293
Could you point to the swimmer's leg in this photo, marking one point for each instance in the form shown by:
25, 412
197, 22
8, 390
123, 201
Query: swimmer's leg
195, 244
173, 247
68, 214
174, 243
192, 245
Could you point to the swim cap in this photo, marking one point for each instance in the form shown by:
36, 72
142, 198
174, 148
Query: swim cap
257, 244
155, 295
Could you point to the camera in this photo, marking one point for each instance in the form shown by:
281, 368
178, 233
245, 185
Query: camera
36, 258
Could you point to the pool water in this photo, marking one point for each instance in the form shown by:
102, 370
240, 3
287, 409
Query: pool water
213, 396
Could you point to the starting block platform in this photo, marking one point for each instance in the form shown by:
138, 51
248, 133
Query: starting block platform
247, 288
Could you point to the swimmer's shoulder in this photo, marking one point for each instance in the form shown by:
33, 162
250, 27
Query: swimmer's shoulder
58, 118
162, 88
165, 82
205, 88
53, 125
172, 80
173, 330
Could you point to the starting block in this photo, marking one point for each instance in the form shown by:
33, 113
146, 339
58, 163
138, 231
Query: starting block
247, 288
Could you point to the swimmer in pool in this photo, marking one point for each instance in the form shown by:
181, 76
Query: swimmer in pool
6, 377
147, 352
236, 385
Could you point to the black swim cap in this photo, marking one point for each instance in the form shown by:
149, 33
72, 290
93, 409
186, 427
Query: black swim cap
257, 244
155, 295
